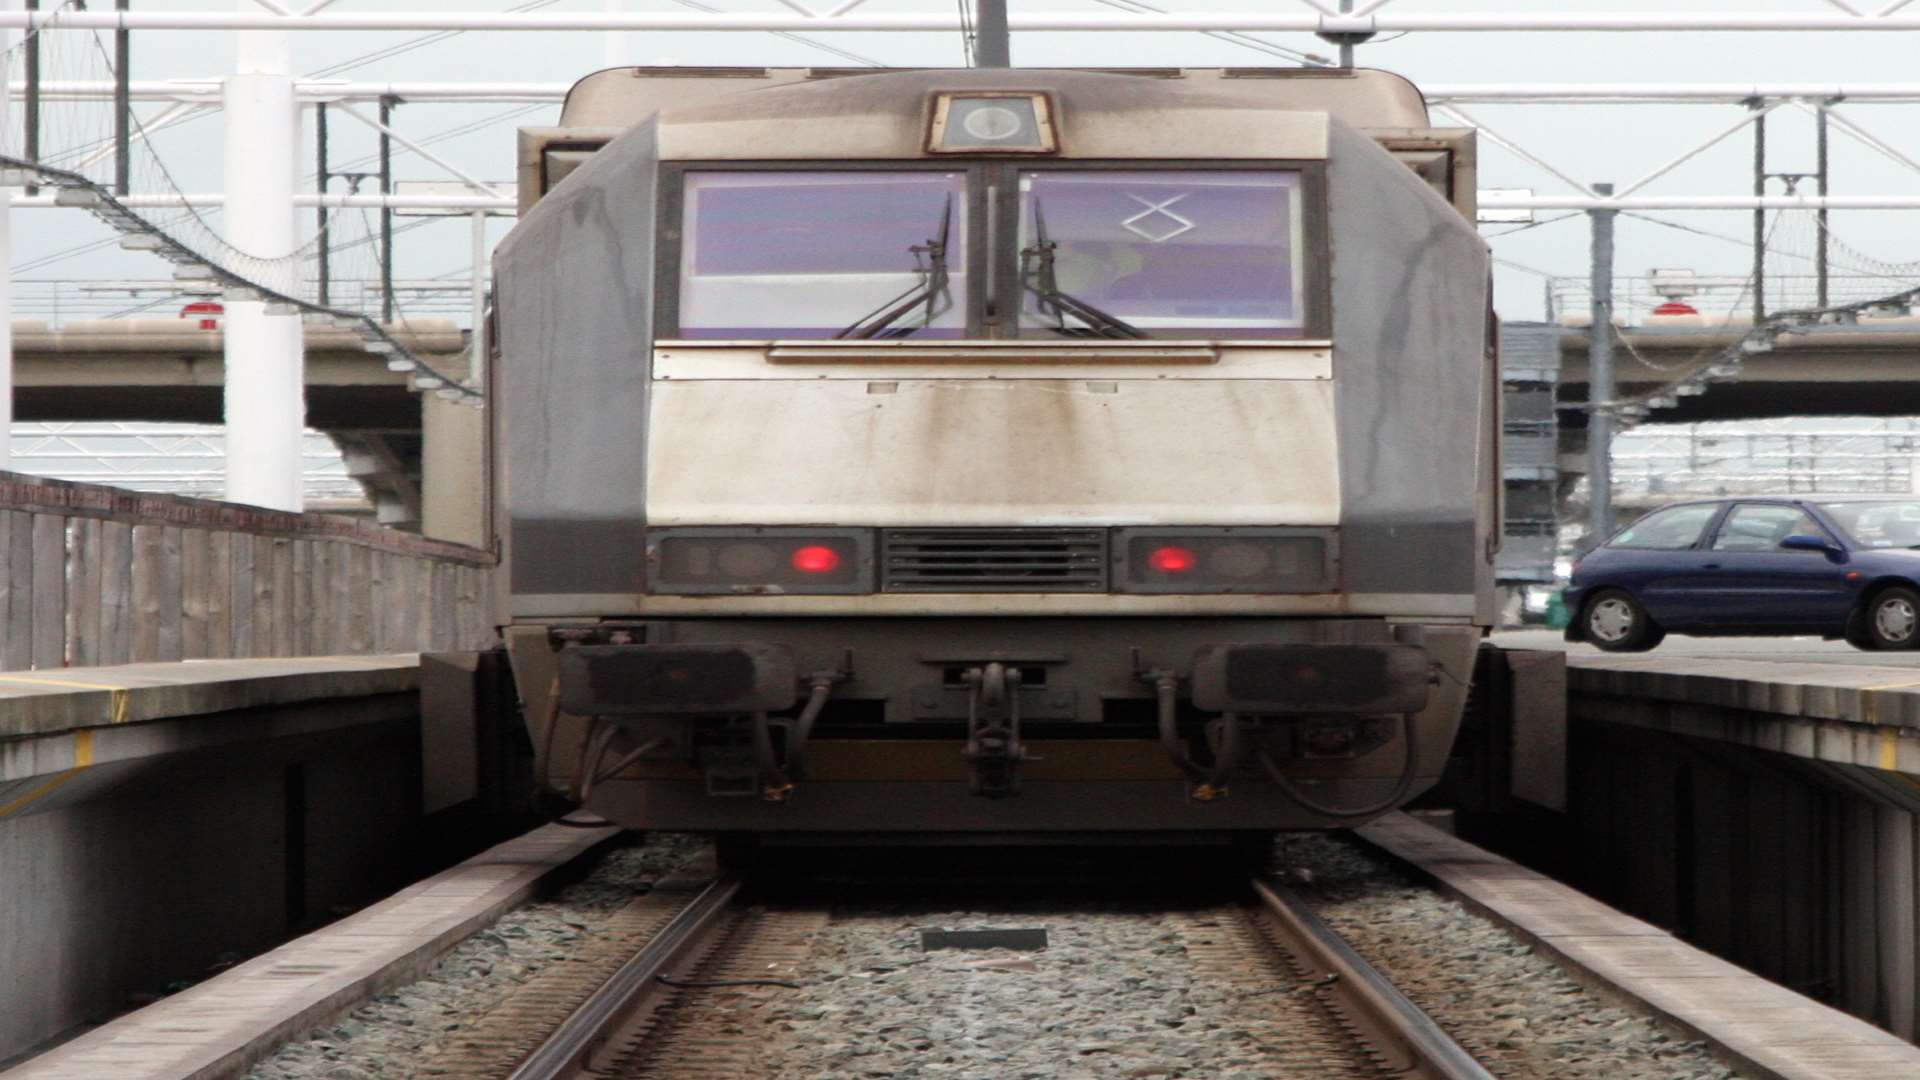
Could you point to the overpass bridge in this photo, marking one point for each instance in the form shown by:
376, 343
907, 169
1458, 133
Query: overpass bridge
173, 370
1867, 369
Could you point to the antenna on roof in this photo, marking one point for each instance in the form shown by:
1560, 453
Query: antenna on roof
990, 46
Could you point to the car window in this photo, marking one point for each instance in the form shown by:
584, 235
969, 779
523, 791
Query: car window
1761, 528
1879, 524
1668, 530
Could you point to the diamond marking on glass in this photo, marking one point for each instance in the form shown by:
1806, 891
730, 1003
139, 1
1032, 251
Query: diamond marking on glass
1133, 224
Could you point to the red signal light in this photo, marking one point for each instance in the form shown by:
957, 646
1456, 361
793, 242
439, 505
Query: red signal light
1172, 560
816, 559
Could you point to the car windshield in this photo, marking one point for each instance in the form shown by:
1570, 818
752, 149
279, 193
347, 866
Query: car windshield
1163, 253
1875, 524
823, 254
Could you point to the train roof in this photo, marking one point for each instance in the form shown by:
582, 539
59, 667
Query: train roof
877, 114
622, 97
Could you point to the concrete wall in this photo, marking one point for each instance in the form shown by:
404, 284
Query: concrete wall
453, 466
204, 857
1802, 871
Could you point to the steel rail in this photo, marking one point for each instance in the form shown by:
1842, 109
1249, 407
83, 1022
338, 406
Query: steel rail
1434, 1053
578, 1035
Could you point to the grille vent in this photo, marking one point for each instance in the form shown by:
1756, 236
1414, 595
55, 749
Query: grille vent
994, 560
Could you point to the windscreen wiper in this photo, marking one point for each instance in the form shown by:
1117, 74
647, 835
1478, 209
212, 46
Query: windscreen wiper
1037, 276
931, 293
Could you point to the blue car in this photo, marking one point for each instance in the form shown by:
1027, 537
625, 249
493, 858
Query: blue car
1834, 566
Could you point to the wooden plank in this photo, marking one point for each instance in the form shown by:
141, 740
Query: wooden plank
16, 614
116, 592
403, 613
322, 599
441, 630
303, 632
83, 593
196, 554
284, 613
360, 599
219, 596
339, 598
385, 590
262, 596
49, 591
170, 636
242, 595
470, 599
148, 553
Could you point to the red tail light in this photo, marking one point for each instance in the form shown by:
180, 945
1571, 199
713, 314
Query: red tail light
816, 559
1172, 560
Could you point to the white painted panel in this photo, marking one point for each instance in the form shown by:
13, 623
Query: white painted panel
980, 452
909, 359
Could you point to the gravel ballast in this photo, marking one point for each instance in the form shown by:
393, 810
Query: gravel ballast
388, 1036
1493, 991
1124, 989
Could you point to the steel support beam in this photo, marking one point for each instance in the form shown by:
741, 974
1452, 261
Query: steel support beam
1313, 22
1600, 389
991, 48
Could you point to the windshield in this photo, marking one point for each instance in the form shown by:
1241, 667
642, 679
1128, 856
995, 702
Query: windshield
823, 254
1893, 523
1123, 253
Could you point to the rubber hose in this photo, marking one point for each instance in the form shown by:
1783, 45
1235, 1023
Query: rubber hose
1407, 774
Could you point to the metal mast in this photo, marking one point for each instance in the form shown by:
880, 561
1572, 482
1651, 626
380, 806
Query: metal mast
1600, 387
991, 48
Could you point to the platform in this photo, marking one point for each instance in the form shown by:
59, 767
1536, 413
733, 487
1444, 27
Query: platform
218, 1028
71, 732
1821, 700
293, 785
1760, 796
1766, 1027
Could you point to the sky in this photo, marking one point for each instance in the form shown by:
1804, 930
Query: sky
1615, 143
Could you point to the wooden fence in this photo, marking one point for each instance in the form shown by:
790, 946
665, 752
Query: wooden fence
98, 575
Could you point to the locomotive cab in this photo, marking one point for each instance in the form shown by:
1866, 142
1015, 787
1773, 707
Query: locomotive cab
1012, 452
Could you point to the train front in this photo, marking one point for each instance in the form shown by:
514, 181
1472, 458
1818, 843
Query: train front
1017, 452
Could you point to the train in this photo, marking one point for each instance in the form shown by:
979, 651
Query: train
944, 455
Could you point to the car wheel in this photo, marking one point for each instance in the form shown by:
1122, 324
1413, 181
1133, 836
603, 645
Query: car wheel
1615, 621
1893, 618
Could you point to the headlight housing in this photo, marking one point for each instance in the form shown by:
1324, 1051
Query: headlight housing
692, 561
1224, 560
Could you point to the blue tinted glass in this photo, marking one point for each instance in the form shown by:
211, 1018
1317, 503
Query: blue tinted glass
806, 254
1211, 253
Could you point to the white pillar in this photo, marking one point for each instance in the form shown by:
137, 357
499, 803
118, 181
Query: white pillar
615, 41
265, 384
9, 39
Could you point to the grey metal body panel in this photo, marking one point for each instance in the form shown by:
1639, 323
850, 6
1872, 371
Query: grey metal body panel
574, 302
1409, 316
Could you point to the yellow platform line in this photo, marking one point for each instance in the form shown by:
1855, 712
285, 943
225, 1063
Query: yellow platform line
119, 704
82, 758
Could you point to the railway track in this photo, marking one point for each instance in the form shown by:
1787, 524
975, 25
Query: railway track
711, 991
